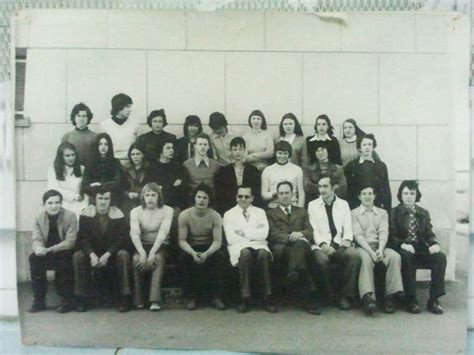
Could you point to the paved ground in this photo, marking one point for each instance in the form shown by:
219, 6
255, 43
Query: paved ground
291, 330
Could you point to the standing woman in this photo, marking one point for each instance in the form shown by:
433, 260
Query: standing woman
65, 176
350, 133
104, 168
324, 131
290, 131
185, 146
150, 226
259, 141
134, 178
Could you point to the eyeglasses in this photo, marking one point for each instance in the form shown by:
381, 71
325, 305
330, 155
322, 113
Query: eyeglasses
244, 196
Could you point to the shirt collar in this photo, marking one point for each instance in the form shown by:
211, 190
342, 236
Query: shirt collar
362, 159
317, 138
283, 208
364, 209
249, 209
322, 203
198, 160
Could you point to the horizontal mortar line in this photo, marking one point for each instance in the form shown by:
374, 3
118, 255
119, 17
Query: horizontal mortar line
232, 50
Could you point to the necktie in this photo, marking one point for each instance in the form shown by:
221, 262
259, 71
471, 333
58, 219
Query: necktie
287, 211
246, 215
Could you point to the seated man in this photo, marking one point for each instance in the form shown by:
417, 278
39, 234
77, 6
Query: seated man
246, 231
330, 218
238, 173
282, 170
290, 235
201, 168
101, 242
370, 228
54, 235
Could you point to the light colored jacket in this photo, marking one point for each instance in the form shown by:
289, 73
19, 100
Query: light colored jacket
67, 229
320, 222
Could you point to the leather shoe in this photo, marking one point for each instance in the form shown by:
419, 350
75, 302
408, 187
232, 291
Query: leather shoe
344, 304
369, 304
124, 305
190, 305
80, 306
65, 306
37, 307
218, 304
389, 305
413, 307
313, 308
434, 307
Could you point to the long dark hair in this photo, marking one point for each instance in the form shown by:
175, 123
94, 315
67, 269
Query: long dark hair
137, 147
95, 149
59, 163
358, 131
191, 120
291, 116
328, 121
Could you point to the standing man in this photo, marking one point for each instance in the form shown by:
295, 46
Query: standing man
246, 230
220, 138
230, 176
370, 227
330, 218
290, 242
54, 235
102, 241
282, 170
152, 140
120, 127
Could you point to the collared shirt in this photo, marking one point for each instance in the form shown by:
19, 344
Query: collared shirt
412, 224
239, 174
362, 159
316, 137
370, 223
284, 209
198, 161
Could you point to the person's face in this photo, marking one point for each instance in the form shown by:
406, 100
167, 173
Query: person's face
244, 197
136, 156
366, 147
348, 129
325, 188
367, 197
202, 146
103, 147
193, 130
288, 126
201, 200
53, 205
237, 152
81, 120
151, 199
408, 196
321, 154
102, 202
157, 124
69, 157
125, 112
282, 156
168, 151
256, 122
322, 126
284, 195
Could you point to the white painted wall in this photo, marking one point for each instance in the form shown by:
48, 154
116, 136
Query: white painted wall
402, 76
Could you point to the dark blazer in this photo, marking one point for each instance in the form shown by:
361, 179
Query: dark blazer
225, 183
281, 226
398, 232
90, 237
181, 150
150, 142
106, 172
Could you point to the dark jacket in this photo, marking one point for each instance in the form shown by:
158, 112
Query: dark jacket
90, 237
106, 172
181, 150
281, 226
398, 234
150, 142
312, 174
133, 181
225, 183
165, 175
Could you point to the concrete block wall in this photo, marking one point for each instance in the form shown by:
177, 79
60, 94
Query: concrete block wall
400, 75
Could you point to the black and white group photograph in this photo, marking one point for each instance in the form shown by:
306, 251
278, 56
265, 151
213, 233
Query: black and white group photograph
247, 181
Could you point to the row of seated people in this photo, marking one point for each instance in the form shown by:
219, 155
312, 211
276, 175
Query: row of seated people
327, 249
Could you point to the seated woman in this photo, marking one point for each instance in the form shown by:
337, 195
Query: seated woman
323, 167
290, 131
150, 225
201, 260
324, 131
185, 146
411, 235
366, 170
134, 178
65, 176
259, 141
104, 169
350, 133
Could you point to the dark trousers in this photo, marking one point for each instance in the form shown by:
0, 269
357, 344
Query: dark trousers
338, 271
61, 263
411, 262
116, 274
252, 261
298, 257
198, 277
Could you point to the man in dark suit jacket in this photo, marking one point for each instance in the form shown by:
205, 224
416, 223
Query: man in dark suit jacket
290, 236
229, 177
